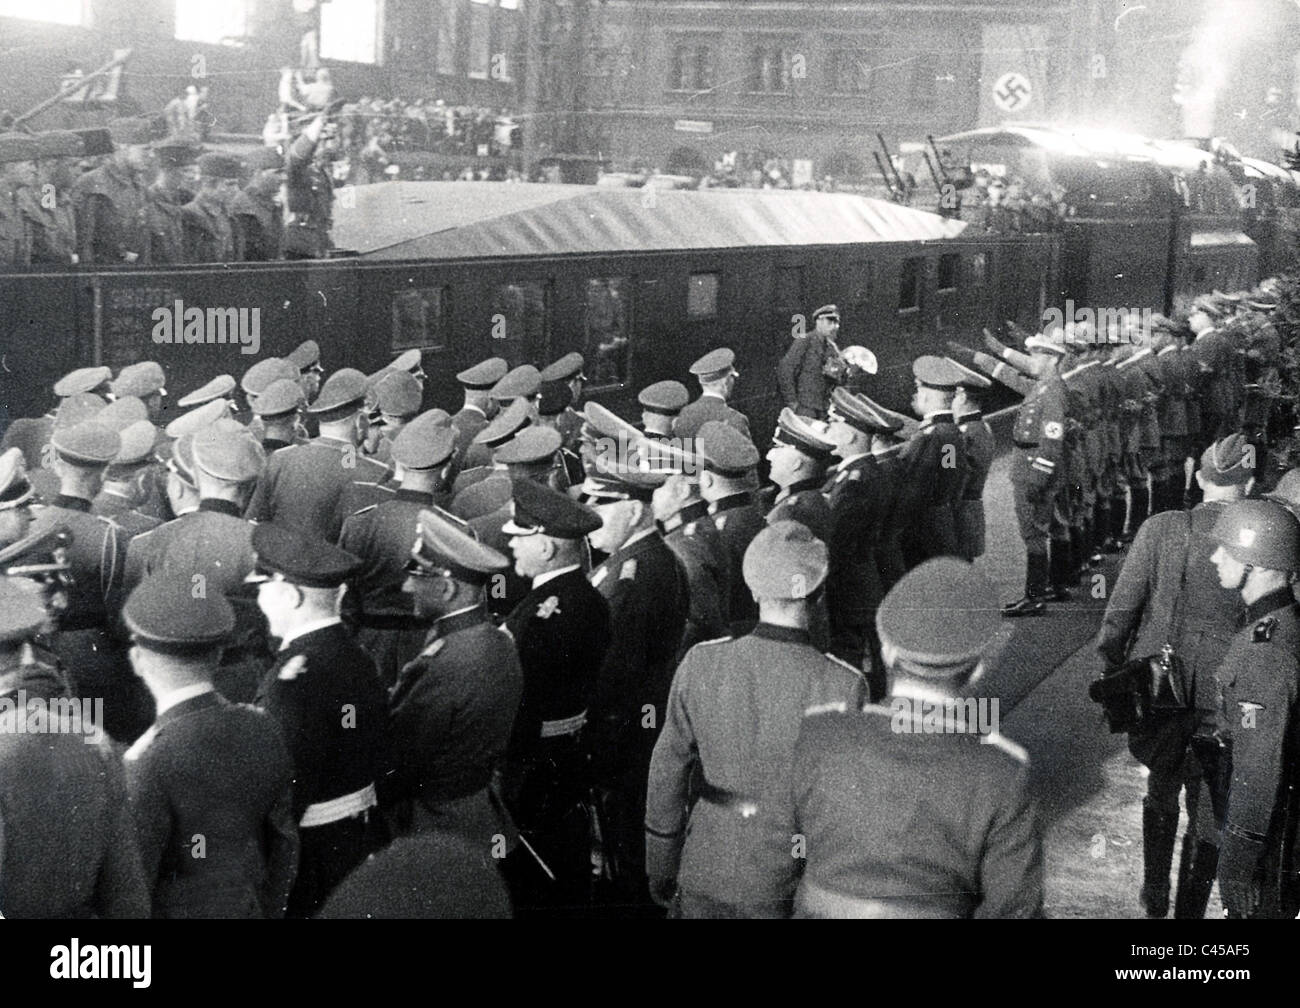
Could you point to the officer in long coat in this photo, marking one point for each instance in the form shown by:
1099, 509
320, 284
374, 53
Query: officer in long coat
980, 449
715, 845
729, 460
934, 458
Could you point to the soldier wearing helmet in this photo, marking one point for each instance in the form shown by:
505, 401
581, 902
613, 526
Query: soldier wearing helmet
1257, 555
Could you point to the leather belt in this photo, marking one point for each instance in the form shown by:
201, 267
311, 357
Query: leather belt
813, 900
564, 726
731, 800
344, 807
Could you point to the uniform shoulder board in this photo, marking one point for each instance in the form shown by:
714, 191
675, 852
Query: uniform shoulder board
368, 507
628, 570
842, 663
507, 631
597, 578
293, 668
433, 648
1264, 629
716, 640
689, 530
1016, 752
141, 744
837, 707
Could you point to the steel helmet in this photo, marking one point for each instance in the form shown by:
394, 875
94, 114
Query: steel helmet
1261, 533
1287, 491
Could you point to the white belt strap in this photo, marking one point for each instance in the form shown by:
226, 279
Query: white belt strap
567, 726
326, 812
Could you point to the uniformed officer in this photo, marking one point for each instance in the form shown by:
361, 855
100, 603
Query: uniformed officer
454, 706
661, 404
127, 496
812, 366
67, 841
476, 463
519, 385
255, 211
210, 781
898, 819
325, 694
302, 484
49, 205
209, 235
397, 398
112, 202
387, 625
219, 388
552, 408
562, 630
860, 494
306, 358
1257, 556
980, 449
799, 457
213, 546
485, 508
533, 453
309, 195
176, 185
934, 458
278, 407
17, 177
147, 381
569, 370
32, 434
727, 482
1165, 595
478, 408
647, 594
717, 376
715, 840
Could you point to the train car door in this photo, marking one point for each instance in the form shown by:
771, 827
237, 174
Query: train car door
42, 321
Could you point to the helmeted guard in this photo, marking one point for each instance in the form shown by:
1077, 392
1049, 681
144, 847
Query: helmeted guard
324, 693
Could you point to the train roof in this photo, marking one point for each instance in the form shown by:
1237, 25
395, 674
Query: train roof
454, 220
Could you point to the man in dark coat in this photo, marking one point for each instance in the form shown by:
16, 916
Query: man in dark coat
727, 482
802, 375
257, 217
717, 376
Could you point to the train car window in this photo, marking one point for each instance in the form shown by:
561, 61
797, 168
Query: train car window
702, 296
979, 269
608, 350
522, 311
909, 284
948, 267
419, 319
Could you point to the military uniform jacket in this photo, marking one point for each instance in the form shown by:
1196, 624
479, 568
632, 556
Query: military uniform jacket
259, 228
648, 601
53, 229
728, 740
1174, 377
562, 631
112, 216
326, 696
1039, 435
980, 449
944, 824
454, 707
301, 486
935, 459
805, 504
209, 236
67, 840
165, 212
1139, 617
32, 436
309, 199
694, 540
468, 422
97, 558
801, 376
382, 534
1149, 367
860, 497
708, 407
218, 772
738, 519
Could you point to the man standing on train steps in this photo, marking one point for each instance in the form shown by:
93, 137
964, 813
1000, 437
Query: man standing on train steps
805, 374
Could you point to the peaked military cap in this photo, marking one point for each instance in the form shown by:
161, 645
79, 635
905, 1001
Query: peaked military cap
181, 460
399, 394
828, 309
235, 459
22, 614
121, 413
443, 547
505, 425
261, 374
198, 419
530, 446
484, 375
624, 479
714, 365
16, 147
142, 379
137, 444
411, 361
784, 561
539, 510
1053, 343
423, 444
305, 356
163, 614
78, 408
797, 432
565, 369
1229, 462
88, 443
521, 383
555, 397
59, 143
264, 159
219, 388
282, 397
862, 412
131, 132
343, 392
602, 422
484, 497
665, 397
85, 379
935, 372
725, 450
15, 489
286, 554
968, 378
939, 616
219, 166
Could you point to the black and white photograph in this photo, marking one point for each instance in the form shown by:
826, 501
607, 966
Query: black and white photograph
641, 460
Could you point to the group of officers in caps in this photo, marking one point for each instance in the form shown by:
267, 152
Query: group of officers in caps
125, 195
583, 648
